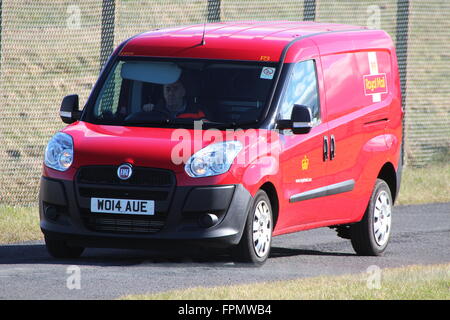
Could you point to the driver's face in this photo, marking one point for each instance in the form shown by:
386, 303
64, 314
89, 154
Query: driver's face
174, 94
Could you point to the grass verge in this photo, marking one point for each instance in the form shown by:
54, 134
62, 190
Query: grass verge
19, 224
429, 184
412, 283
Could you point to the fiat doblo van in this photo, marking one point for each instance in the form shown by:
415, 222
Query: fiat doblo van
226, 134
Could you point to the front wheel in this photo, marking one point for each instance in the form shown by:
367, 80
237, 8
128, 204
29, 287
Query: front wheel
255, 243
370, 236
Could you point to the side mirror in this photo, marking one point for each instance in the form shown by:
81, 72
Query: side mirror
69, 112
300, 122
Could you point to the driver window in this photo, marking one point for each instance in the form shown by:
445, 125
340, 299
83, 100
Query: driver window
301, 89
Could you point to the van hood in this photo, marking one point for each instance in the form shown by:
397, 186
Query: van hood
139, 146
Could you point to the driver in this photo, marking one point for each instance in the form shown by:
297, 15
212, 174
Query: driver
175, 103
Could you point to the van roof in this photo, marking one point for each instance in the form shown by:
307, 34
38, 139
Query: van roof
227, 40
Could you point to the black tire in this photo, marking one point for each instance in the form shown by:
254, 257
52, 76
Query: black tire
366, 238
247, 251
59, 249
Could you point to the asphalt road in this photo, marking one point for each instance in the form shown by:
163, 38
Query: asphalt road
421, 235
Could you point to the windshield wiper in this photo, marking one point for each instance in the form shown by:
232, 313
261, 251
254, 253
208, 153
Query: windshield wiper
175, 121
146, 122
232, 125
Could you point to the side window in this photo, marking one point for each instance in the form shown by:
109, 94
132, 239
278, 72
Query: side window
301, 89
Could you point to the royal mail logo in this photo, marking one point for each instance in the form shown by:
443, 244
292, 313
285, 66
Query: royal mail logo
375, 84
305, 163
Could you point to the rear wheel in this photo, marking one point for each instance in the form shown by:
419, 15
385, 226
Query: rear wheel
371, 235
59, 249
255, 243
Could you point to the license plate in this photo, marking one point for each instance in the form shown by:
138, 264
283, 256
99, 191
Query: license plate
123, 206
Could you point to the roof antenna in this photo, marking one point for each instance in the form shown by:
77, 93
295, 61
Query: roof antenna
203, 35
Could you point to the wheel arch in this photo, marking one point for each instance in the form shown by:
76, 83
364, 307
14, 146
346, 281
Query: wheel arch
388, 174
271, 191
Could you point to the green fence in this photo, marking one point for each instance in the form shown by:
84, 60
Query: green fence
51, 48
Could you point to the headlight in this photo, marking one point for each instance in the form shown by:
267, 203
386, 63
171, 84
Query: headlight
59, 152
213, 160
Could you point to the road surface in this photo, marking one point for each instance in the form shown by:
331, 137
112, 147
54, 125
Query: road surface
421, 235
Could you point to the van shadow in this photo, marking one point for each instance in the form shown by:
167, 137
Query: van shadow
278, 252
23, 254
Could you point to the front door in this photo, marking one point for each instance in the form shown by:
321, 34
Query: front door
303, 158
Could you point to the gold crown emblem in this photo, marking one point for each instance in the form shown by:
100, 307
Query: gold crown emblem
305, 163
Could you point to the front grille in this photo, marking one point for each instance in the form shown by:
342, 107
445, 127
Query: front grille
122, 224
144, 184
140, 177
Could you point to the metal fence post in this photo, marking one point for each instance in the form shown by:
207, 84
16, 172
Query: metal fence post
1, 13
213, 8
402, 54
107, 33
309, 10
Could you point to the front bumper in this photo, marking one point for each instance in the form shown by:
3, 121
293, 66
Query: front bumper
65, 215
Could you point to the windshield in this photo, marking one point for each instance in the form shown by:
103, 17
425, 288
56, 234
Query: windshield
168, 93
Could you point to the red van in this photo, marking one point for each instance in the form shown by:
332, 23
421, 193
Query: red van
227, 134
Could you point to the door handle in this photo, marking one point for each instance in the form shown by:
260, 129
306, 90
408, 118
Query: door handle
332, 147
325, 148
